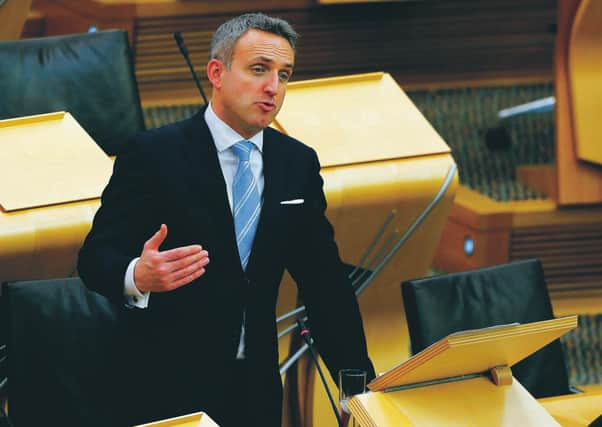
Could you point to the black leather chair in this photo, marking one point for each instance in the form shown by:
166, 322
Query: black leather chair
89, 75
62, 361
515, 292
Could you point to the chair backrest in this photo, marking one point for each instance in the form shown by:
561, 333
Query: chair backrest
514, 292
89, 75
61, 354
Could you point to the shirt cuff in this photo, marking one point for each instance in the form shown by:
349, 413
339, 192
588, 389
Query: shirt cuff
133, 297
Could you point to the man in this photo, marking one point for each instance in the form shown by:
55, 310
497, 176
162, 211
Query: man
196, 227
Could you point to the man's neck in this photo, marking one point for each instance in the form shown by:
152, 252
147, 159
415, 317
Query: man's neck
219, 113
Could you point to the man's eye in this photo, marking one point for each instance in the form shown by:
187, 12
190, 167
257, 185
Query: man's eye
284, 76
258, 69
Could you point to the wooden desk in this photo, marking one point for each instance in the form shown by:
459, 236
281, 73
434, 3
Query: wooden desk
574, 410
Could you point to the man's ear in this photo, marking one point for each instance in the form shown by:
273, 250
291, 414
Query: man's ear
215, 69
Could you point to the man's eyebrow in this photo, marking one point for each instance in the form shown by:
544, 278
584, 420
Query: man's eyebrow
270, 60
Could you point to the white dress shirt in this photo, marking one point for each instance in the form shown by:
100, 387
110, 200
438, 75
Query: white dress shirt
224, 137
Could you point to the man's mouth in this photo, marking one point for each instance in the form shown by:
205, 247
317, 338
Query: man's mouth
266, 106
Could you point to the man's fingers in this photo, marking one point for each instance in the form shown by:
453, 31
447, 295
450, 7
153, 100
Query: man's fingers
157, 239
158, 271
180, 263
181, 252
188, 270
189, 278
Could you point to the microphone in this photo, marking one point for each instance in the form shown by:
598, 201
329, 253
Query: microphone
180, 41
309, 341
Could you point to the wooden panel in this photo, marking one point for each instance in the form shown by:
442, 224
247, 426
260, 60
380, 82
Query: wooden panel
570, 253
483, 220
585, 67
68, 16
491, 247
13, 14
567, 241
352, 1
163, 8
539, 177
578, 183
92, 9
414, 41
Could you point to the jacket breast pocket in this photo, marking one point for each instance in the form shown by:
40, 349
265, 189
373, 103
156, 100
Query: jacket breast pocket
292, 220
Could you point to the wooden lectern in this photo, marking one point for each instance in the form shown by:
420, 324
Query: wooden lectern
52, 174
198, 419
382, 164
463, 379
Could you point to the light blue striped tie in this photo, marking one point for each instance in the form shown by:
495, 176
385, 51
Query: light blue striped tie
246, 202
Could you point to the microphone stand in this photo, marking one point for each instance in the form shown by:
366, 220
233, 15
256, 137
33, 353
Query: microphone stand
309, 341
180, 41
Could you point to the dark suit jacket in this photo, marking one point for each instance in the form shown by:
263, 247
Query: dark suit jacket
182, 347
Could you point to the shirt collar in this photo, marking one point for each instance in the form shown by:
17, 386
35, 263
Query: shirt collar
224, 136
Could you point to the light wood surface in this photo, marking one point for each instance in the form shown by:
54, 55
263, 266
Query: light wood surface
541, 178
50, 159
575, 410
43, 243
404, 409
474, 402
52, 174
439, 392
585, 69
474, 352
344, 134
578, 183
198, 419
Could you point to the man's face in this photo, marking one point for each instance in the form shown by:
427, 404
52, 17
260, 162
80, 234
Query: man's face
249, 94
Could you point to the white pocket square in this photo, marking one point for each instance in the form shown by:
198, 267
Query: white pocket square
292, 202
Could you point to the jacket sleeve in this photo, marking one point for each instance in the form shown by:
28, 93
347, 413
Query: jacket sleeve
323, 284
121, 225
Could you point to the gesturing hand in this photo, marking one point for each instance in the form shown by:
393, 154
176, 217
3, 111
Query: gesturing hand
158, 271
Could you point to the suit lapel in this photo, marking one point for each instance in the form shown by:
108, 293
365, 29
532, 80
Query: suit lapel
207, 196
274, 168
207, 191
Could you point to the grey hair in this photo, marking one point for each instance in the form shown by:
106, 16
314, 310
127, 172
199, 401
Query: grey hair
226, 36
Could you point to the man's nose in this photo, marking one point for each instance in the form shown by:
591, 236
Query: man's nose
271, 86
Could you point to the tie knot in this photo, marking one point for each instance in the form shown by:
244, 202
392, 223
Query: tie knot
243, 150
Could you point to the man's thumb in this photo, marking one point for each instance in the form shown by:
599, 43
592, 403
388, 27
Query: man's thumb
157, 239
